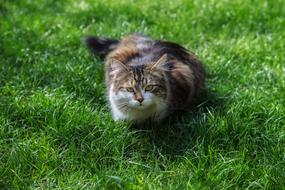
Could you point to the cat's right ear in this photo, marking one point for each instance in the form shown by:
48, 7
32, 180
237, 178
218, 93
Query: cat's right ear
160, 62
116, 66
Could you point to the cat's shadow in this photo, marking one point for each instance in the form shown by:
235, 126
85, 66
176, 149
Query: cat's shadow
181, 131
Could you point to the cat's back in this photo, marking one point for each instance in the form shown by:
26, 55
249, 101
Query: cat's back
147, 49
131, 47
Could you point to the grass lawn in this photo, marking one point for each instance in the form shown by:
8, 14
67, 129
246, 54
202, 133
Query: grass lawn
56, 131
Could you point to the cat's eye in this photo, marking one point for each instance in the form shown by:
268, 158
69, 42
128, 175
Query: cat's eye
130, 89
149, 88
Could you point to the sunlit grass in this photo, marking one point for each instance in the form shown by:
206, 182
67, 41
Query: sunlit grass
56, 131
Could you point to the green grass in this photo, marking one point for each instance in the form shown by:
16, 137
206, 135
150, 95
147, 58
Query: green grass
56, 131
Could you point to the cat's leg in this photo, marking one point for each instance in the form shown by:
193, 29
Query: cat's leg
162, 115
117, 114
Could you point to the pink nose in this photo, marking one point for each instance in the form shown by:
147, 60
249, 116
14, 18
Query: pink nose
140, 99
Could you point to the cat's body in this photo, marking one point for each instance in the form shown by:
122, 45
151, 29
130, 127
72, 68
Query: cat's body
148, 79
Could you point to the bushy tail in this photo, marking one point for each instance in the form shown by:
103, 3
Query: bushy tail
100, 46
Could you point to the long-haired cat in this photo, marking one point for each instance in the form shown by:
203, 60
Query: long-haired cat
148, 79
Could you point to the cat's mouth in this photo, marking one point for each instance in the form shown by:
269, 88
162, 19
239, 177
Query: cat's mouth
140, 106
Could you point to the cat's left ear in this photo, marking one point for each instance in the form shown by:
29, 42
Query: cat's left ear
117, 66
160, 62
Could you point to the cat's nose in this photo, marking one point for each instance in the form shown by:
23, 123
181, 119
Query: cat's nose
140, 99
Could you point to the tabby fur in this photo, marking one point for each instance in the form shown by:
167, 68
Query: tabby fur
148, 79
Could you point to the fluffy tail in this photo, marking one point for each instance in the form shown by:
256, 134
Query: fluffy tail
100, 46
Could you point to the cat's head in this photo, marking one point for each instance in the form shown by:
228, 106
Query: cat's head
139, 86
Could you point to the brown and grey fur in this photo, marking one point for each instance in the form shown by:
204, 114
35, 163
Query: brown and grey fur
137, 61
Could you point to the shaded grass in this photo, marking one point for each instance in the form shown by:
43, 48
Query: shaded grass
56, 130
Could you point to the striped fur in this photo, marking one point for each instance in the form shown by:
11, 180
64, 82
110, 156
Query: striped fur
148, 79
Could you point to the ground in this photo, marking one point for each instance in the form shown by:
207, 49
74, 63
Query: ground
56, 131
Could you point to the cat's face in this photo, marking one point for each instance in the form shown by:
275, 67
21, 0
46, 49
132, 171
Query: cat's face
139, 87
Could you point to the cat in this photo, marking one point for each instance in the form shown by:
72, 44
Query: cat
148, 79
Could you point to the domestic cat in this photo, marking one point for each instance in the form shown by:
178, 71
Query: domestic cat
148, 79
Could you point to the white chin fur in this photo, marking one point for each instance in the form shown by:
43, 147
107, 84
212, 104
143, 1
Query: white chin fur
124, 107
